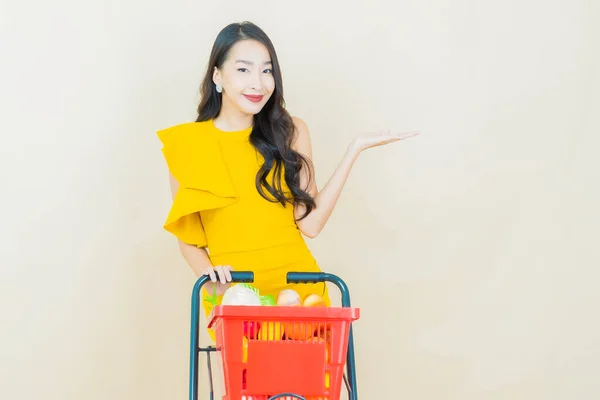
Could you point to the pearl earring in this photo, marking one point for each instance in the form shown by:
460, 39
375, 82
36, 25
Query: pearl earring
219, 88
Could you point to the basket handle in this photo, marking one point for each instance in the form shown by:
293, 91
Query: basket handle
307, 277
242, 277
236, 277
315, 277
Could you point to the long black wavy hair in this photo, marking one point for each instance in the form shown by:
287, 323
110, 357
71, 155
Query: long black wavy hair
273, 131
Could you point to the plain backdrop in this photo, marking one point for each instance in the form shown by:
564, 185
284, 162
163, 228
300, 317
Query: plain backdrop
472, 250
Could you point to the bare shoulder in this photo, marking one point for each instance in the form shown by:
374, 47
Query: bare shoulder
299, 123
301, 135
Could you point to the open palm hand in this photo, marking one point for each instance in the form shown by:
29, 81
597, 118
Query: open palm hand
368, 140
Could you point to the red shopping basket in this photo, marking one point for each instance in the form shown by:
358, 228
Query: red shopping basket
267, 350
274, 352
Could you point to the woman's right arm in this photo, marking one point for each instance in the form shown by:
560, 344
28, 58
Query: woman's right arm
198, 259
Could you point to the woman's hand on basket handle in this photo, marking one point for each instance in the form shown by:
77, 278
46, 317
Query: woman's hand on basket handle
220, 275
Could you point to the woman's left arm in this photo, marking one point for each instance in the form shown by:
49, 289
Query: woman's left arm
327, 198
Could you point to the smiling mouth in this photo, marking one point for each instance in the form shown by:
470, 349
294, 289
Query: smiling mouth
254, 98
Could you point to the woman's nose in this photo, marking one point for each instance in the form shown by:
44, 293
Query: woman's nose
257, 82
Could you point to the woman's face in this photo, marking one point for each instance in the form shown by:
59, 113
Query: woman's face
246, 77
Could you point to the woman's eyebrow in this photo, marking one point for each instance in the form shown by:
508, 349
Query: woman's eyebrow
251, 63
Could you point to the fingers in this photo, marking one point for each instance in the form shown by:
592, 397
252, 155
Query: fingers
227, 269
393, 136
211, 273
404, 135
222, 273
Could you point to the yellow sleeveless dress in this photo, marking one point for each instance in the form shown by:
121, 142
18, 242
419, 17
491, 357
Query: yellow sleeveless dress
218, 207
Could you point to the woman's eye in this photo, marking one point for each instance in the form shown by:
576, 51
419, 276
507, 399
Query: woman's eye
242, 69
268, 71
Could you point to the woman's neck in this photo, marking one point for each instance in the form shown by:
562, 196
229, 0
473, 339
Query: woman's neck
231, 119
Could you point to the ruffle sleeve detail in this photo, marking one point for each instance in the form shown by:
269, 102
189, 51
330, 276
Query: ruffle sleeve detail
195, 159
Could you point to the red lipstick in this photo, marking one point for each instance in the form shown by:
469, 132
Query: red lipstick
256, 98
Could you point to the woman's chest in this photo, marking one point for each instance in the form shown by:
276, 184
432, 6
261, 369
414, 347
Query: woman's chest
244, 164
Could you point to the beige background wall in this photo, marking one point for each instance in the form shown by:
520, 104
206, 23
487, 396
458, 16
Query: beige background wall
471, 250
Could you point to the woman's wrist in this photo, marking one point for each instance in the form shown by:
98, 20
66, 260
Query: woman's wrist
353, 150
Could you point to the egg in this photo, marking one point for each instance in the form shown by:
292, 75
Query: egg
288, 297
314, 300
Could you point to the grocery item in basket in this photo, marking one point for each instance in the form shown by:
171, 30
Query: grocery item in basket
251, 329
268, 300
244, 349
299, 330
314, 300
241, 295
324, 331
270, 331
288, 297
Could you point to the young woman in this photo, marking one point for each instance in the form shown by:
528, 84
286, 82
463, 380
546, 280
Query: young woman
241, 175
